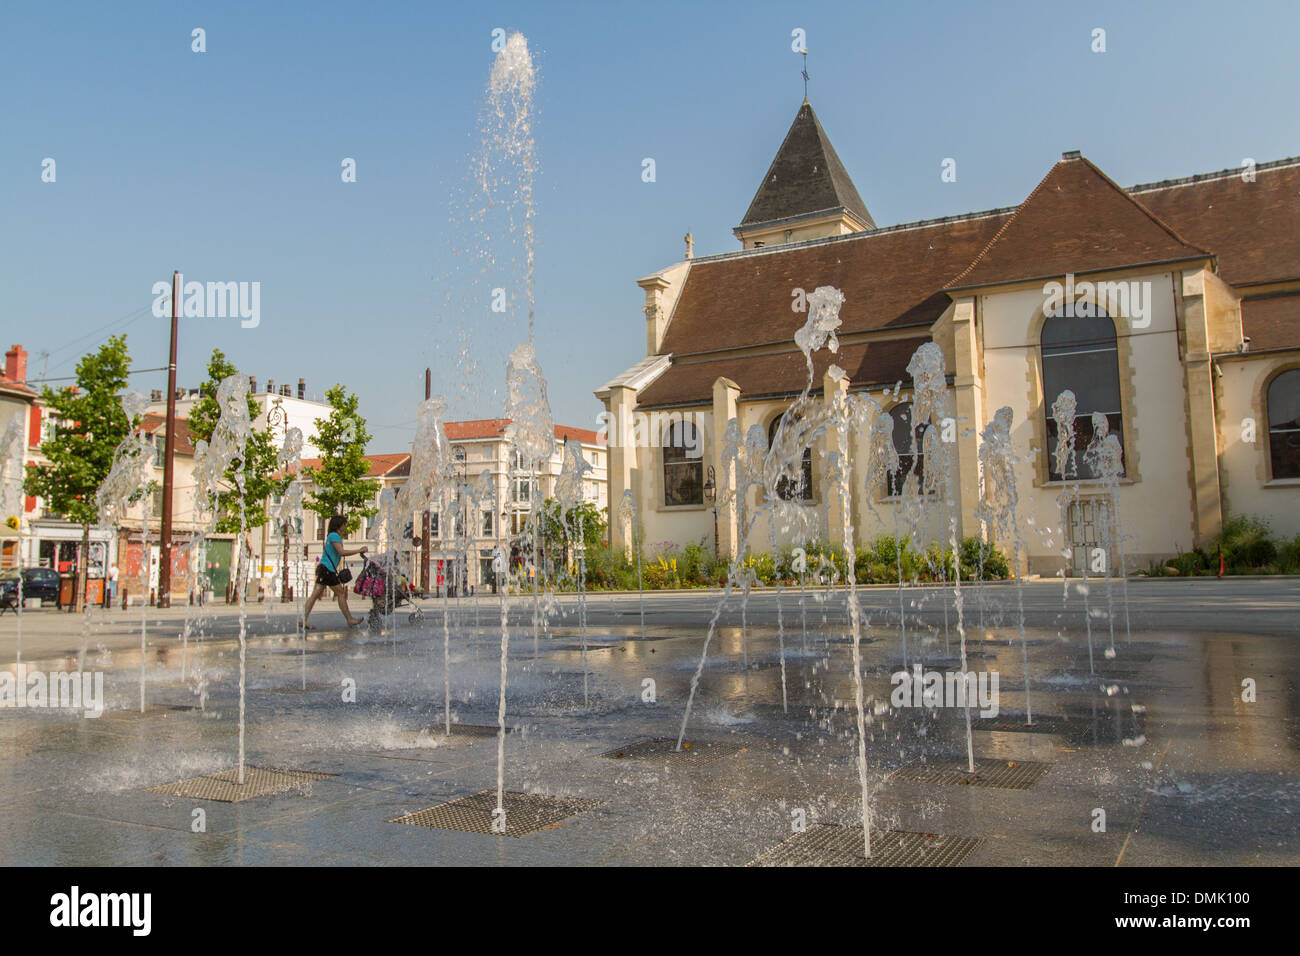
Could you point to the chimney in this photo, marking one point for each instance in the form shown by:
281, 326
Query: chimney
270, 386
302, 388
16, 364
155, 395
180, 394
252, 384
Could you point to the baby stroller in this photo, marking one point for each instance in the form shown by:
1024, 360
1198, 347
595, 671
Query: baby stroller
387, 587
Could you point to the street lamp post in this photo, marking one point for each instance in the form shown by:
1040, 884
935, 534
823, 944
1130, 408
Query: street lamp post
711, 496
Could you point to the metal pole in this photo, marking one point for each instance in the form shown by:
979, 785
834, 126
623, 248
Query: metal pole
424, 553
169, 455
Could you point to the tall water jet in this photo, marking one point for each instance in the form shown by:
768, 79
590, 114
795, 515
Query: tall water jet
1064, 410
127, 482
568, 493
627, 513
11, 502
289, 517
998, 509
211, 461
784, 487
734, 484
531, 435
932, 404
1105, 457
429, 484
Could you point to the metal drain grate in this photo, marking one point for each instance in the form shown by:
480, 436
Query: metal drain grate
1043, 724
470, 730
1003, 774
525, 813
828, 845
223, 787
692, 752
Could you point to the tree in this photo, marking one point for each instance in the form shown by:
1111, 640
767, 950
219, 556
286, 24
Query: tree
260, 453
340, 482
89, 424
558, 533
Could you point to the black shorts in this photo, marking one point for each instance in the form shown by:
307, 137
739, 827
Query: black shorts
327, 577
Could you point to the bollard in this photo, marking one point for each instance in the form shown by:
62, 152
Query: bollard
124, 598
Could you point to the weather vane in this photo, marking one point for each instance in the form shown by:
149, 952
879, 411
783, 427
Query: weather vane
804, 72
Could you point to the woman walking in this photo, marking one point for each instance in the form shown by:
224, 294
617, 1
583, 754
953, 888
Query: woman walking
327, 573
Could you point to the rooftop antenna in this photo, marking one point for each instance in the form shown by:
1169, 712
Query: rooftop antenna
804, 74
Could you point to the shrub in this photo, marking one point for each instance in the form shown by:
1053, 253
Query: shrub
1288, 556
1245, 543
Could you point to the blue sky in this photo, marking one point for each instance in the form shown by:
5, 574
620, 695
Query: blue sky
226, 164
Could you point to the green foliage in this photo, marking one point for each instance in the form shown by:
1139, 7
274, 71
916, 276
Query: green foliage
695, 565
1288, 556
1245, 543
340, 483
1247, 547
260, 482
559, 532
89, 425
976, 554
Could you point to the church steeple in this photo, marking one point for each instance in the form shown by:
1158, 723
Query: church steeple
807, 192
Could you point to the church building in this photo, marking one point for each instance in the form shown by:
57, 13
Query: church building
1171, 309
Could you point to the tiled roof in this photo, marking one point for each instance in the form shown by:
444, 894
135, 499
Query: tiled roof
1271, 322
891, 278
784, 373
381, 466
805, 177
1076, 220
496, 428
479, 428
1253, 228
184, 440
17, 388
584, 435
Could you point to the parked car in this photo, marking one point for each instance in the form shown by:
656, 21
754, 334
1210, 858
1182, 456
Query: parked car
40, 583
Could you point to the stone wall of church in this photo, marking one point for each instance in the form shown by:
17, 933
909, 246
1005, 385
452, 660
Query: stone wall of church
1249, 488
1155, 497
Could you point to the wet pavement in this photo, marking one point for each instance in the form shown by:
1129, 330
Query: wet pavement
1156, 741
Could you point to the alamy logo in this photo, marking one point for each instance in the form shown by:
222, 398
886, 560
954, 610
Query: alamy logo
1086, 300
654, 429
58, 690
211, 300
103, 909
951, 689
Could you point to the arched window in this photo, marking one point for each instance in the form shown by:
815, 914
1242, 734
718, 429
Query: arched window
1080, 354
1284, 425
907, 442
786, 488
683, 465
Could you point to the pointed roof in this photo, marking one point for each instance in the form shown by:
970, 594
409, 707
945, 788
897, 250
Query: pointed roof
1076, 220
805, 177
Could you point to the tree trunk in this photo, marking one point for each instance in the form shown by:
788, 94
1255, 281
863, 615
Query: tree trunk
83, 562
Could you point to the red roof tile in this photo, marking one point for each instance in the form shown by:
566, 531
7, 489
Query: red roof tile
1253, 228
380, 465
1271, 322
1076, 220
479, 428
891, 278
496, 428
184, 440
